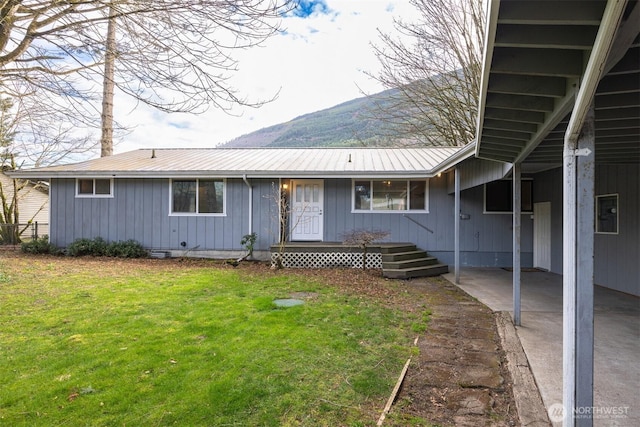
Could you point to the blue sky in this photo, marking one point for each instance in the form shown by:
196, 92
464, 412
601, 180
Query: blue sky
318, 61
307, 8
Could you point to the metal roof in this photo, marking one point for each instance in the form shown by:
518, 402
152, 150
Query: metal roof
260, 162
537, 55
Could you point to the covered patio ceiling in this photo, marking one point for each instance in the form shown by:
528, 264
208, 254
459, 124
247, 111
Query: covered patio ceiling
537, 53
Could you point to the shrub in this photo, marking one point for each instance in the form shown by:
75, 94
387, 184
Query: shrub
39, 245
126, 249
99, 247
93, 247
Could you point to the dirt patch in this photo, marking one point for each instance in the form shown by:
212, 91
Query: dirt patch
458, 376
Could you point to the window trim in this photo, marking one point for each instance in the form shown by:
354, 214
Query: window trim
522, 212
617, 213
374, 211
197, 180
94, 195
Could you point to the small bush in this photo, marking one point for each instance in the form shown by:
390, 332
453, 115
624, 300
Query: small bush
99, 247
93, 247
38, 246
126, 249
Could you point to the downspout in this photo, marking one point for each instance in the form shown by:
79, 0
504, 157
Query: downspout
578, 386
246, 181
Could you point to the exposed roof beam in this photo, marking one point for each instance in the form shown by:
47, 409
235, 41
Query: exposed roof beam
546, 36
514, 115
519, 85
520, 102
627, 34
564, 13
506, 144
595, 68
629, 64
629, 99
617, 124
631, 131
538, 62
552, 121
516, 126
523, 136
618, 84
618, 113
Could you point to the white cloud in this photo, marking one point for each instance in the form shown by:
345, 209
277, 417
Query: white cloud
318, 61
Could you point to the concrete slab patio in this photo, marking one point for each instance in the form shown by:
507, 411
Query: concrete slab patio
617, 338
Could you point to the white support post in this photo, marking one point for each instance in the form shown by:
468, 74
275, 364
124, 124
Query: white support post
517, 218
456, 227
578, 231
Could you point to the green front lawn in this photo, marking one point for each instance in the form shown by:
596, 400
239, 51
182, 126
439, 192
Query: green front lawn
157, 342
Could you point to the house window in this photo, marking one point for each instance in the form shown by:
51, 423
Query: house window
197, 196
94, 187
390, 195
607, 214
498, 196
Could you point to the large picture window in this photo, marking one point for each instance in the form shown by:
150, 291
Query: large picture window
390, 195
197, 196
94, 187
498, 196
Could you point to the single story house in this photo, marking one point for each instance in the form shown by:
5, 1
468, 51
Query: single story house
201, 202
552, 181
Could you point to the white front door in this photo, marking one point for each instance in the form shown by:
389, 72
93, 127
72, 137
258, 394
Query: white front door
542, 235
305, 222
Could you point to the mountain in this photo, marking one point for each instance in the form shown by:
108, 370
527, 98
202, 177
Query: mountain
348, 124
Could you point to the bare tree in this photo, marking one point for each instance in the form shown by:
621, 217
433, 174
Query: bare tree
434, 65
363, 239
280, 198
174, 55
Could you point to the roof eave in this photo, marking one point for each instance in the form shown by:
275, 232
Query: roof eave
490, 36
222, 174
464, 153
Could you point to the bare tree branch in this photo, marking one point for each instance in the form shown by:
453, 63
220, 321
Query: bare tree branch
434, 65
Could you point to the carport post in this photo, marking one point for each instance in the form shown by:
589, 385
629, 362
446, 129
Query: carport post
578, 231
517, 218
456, 227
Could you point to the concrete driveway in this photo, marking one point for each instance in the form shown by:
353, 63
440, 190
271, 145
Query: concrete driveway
617, 338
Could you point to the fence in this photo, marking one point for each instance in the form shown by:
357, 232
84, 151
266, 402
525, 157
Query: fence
13, 234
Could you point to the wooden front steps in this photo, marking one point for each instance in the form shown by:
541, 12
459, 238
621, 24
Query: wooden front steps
407, 261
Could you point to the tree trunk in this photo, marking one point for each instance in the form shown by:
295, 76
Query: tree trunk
106, 141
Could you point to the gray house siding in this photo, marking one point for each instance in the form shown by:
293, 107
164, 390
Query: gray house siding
139, 210
485, 238
616, 256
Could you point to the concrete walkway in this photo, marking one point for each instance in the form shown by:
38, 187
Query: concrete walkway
617, 338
